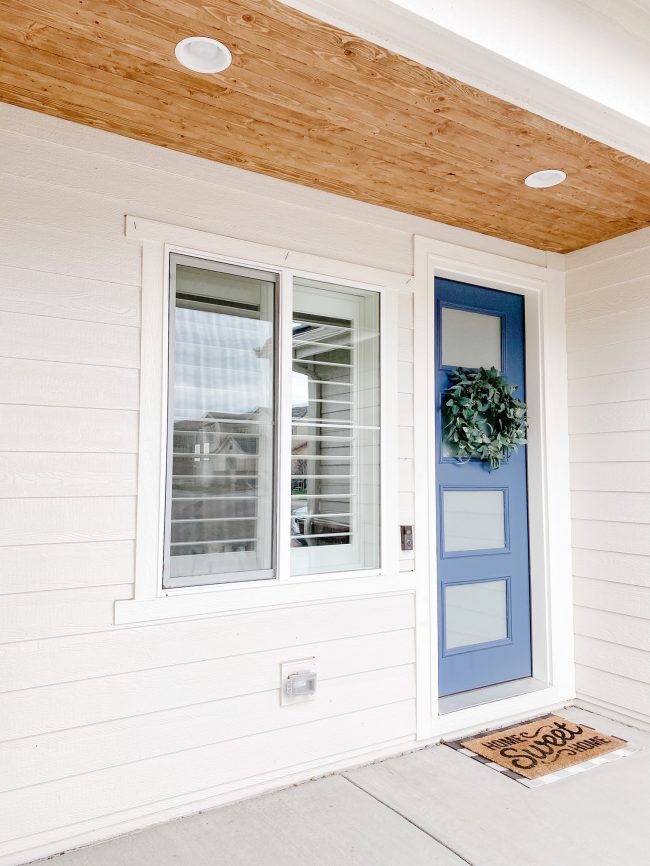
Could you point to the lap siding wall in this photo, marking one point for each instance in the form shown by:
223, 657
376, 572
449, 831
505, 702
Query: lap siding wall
106, 727
608, 334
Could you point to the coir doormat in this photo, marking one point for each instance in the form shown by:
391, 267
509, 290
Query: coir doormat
544, 749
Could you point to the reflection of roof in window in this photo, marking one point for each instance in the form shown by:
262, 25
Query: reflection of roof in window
241, 444
225, 424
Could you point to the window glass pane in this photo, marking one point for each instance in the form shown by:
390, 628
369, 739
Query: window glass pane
220, 489
335, 429
475, 613
470, 339
473, 520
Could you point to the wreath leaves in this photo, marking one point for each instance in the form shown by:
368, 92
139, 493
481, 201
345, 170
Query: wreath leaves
481, 417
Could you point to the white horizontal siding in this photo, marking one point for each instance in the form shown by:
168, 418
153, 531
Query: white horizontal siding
65, 706
200, 771
48, 474
45, 338
618, 507
605, 565
68, 429
100, 723
49, 757
64, 297
45, 383
66, 565
56, 520
616, 417
608, 327
600, 360
618, 629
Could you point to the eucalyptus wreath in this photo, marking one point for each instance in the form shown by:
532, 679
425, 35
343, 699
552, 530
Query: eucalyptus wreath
481, 417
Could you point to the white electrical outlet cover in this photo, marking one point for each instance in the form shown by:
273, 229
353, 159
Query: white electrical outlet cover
295, 666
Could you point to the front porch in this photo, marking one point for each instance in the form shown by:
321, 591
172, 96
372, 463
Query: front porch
272, 334
432, 806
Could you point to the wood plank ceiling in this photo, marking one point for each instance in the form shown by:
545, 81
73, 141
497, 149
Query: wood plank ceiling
308, 103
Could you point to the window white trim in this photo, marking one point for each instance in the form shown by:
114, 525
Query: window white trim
548, 478
151, 601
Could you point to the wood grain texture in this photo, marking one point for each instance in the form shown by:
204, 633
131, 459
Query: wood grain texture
306, 102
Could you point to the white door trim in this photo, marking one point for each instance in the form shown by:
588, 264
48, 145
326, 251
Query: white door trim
548, 478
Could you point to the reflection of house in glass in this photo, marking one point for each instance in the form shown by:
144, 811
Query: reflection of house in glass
216, 477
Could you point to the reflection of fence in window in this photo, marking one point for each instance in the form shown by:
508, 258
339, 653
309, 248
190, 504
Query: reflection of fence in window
323, 353
215, 505
335, 420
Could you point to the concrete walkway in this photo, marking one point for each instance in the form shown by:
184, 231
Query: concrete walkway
433, 807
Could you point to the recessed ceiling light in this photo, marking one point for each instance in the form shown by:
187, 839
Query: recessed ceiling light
203, 54
546, 178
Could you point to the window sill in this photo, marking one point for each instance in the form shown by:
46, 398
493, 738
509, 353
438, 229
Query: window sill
221, 600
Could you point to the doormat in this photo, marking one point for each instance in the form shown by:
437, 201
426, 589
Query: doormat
543, 750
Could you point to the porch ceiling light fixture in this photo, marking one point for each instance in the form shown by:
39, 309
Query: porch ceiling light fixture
544, 179
203, 54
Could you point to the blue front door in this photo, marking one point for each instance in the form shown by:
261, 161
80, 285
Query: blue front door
482, 538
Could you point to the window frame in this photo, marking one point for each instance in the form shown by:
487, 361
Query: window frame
151, 600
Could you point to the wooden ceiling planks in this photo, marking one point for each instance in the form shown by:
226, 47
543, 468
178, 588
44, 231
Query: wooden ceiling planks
306, 102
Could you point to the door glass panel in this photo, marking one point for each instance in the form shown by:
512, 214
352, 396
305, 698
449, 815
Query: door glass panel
470, 339
475, 613
473, 520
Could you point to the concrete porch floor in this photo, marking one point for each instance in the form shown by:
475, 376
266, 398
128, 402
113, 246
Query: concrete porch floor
433, 807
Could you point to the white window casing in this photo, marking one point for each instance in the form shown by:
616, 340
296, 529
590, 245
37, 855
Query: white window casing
301, 577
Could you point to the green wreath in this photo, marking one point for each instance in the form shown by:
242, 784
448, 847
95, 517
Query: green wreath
481, 417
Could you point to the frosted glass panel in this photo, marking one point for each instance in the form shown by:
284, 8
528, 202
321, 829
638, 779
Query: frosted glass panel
470, 339
475, 613
473, 520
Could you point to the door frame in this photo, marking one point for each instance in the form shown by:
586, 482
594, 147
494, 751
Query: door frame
539, 277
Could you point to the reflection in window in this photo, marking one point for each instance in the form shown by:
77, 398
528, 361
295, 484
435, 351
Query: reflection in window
335, 429
220, 489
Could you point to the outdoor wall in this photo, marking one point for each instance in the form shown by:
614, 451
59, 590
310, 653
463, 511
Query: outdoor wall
106, 728
608, 329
